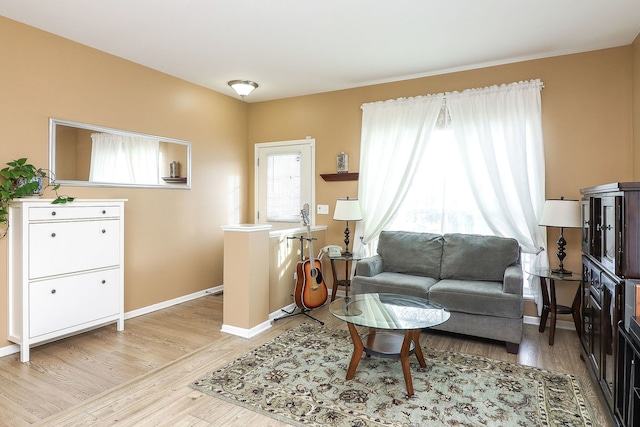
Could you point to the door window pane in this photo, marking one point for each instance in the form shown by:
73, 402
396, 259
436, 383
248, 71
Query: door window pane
283, 187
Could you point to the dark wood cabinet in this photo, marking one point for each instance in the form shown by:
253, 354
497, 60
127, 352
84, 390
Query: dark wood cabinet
610, 242
627, 406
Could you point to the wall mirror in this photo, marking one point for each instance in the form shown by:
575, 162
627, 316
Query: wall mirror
87, 155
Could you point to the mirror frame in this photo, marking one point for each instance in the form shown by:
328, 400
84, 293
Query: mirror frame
53, 123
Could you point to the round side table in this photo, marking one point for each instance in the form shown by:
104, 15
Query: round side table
550, 306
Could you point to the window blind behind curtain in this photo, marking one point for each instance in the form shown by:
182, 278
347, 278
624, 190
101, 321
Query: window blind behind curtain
470, 161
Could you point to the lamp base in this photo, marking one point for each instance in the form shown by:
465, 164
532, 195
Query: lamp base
561, 271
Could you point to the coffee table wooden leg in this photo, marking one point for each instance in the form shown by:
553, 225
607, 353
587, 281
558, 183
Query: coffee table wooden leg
358, 349
404, 361
418, 349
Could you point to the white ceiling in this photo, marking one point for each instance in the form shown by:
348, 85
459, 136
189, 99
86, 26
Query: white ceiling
299, 47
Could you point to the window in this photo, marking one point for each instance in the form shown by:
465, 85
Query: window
284, 182
446, 204
469, 162
283, 187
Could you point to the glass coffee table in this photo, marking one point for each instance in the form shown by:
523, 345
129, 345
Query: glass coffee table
394, 323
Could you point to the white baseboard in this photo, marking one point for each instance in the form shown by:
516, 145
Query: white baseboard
560, 324
246, 333
165, 304
284, 311
10, 349
15, 348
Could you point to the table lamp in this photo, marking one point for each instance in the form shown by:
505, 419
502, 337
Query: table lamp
564, 214
347, 210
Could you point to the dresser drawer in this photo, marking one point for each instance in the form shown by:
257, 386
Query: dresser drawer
67, 212
66, 302
67, 247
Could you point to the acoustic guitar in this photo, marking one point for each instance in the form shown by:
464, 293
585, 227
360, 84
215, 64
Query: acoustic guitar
311, 291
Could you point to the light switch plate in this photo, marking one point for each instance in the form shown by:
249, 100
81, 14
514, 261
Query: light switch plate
323, 209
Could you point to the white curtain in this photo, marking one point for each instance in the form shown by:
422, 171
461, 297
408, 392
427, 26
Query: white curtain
124, 159
143, 156
105, 157
394, 134
499, 135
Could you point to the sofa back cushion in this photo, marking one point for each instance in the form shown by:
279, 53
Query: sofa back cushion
411, 253
474, 257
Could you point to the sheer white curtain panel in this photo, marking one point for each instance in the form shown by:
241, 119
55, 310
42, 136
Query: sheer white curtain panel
394, 134
499, 134
105, 157
142, 154
124, 159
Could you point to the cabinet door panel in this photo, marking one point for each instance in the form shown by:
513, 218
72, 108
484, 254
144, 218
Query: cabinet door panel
608, 338
586, 225
595, 352
610, 234
585, 333
67, 247
66, 302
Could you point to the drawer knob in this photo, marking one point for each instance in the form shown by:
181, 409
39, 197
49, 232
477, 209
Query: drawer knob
53, 291
104, 211
53, 234
53, 213
104, 281
104, 231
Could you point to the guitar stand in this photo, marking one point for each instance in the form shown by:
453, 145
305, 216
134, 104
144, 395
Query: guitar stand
303, 311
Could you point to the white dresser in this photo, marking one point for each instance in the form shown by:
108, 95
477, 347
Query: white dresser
66, 269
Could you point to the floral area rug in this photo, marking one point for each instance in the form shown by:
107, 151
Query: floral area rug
299, 378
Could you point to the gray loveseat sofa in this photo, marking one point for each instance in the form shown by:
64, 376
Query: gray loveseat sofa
478, 278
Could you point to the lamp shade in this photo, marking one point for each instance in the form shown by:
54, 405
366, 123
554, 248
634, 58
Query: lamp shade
347, 210
561, 213
243, 87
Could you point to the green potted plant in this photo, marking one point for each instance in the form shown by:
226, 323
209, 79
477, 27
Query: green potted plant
22, 179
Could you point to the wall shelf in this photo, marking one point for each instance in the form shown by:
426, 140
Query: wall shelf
349, 176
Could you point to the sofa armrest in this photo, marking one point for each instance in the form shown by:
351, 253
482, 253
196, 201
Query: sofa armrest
513, 277
369, 267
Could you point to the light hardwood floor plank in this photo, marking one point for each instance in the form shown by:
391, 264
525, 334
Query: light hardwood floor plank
140, 376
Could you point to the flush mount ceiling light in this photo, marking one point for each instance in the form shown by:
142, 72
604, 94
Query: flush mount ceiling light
243, 87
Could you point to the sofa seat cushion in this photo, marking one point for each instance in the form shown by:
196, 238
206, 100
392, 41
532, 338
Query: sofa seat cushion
477, 297
411, 253
394, 283
475, 257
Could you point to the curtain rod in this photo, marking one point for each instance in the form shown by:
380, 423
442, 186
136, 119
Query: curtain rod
444, 94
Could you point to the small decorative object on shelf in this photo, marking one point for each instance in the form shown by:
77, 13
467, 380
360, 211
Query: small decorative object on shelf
174, 169
342, 163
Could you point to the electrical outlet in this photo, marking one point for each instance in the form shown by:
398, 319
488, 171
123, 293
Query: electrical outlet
323, 209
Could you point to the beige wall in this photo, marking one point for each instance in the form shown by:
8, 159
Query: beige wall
174, 243
587, 125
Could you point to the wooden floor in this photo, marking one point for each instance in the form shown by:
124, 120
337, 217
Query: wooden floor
140, 376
